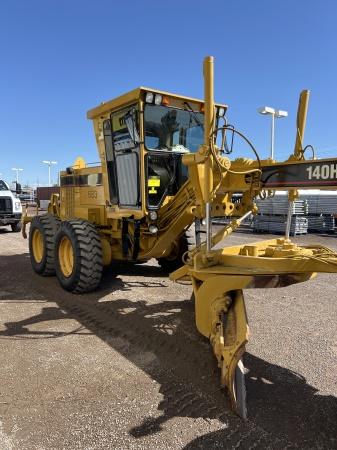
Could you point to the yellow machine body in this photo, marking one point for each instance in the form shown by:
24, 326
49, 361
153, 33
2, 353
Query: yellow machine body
136, 208
85, 191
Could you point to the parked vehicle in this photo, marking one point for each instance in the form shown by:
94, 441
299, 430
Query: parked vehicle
10, 207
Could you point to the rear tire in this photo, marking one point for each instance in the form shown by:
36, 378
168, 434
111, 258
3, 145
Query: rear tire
16, 227
78, 256
185, 243
41, 243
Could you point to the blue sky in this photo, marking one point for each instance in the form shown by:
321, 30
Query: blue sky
61, 58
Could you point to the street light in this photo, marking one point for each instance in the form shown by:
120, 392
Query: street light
278, 113
49, 163
17, 170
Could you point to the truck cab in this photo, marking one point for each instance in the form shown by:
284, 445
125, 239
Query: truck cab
10, 207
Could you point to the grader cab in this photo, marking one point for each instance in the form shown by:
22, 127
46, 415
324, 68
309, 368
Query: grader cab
164, 166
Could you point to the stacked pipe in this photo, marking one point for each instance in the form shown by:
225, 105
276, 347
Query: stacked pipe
310, 212
272, 216
320, 224
277, 224
322, 211
279, 205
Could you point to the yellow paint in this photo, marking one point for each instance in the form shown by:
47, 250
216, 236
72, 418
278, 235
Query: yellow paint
79, 163
107, 253
38, 246
134, 95
153, 182
66, 256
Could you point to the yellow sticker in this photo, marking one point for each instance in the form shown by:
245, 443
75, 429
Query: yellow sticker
153, 190
118, 122
153, 182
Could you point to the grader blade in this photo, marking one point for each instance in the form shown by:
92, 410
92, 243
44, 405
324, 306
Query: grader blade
221, 317
218, 278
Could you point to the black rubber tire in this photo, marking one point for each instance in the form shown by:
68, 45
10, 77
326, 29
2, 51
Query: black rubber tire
16, 227
88, 257
186, 242
48, 225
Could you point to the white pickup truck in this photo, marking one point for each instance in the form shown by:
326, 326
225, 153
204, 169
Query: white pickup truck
10, 207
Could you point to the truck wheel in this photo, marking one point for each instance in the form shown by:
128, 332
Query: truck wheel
16, 227
174, 261
41, 243
78, 255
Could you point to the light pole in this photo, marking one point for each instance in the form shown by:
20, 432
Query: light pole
17, 170
49, 163
278, 113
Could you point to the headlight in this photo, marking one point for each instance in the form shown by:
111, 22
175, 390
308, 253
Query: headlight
149, 97
17, 205
153, 215
157, 99
153, 229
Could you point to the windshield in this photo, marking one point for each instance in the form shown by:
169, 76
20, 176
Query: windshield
3, 186
173, 129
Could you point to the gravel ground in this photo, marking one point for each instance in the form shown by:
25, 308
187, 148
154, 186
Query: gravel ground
124, 367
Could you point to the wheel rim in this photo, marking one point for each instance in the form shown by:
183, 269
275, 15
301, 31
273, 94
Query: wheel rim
66, 256
38, 246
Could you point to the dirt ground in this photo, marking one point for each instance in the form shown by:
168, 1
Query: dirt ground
124, 367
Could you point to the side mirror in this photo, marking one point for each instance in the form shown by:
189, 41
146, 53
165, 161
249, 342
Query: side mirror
18, 189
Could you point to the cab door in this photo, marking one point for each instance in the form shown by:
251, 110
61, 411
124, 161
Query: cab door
125, 148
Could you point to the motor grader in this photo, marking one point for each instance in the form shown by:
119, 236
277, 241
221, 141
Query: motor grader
165, 165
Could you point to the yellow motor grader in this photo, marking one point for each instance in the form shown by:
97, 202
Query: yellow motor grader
165, 166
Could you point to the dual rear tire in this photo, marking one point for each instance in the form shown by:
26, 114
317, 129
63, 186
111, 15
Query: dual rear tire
78, 256
71, 249
42, 234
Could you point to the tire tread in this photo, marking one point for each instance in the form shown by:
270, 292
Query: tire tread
48, 224
186, 242
88, 253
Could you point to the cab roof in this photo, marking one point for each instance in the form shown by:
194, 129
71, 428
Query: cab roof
134, 95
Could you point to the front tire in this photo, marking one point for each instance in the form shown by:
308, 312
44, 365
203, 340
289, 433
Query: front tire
41, 243
78, 256
185, 243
